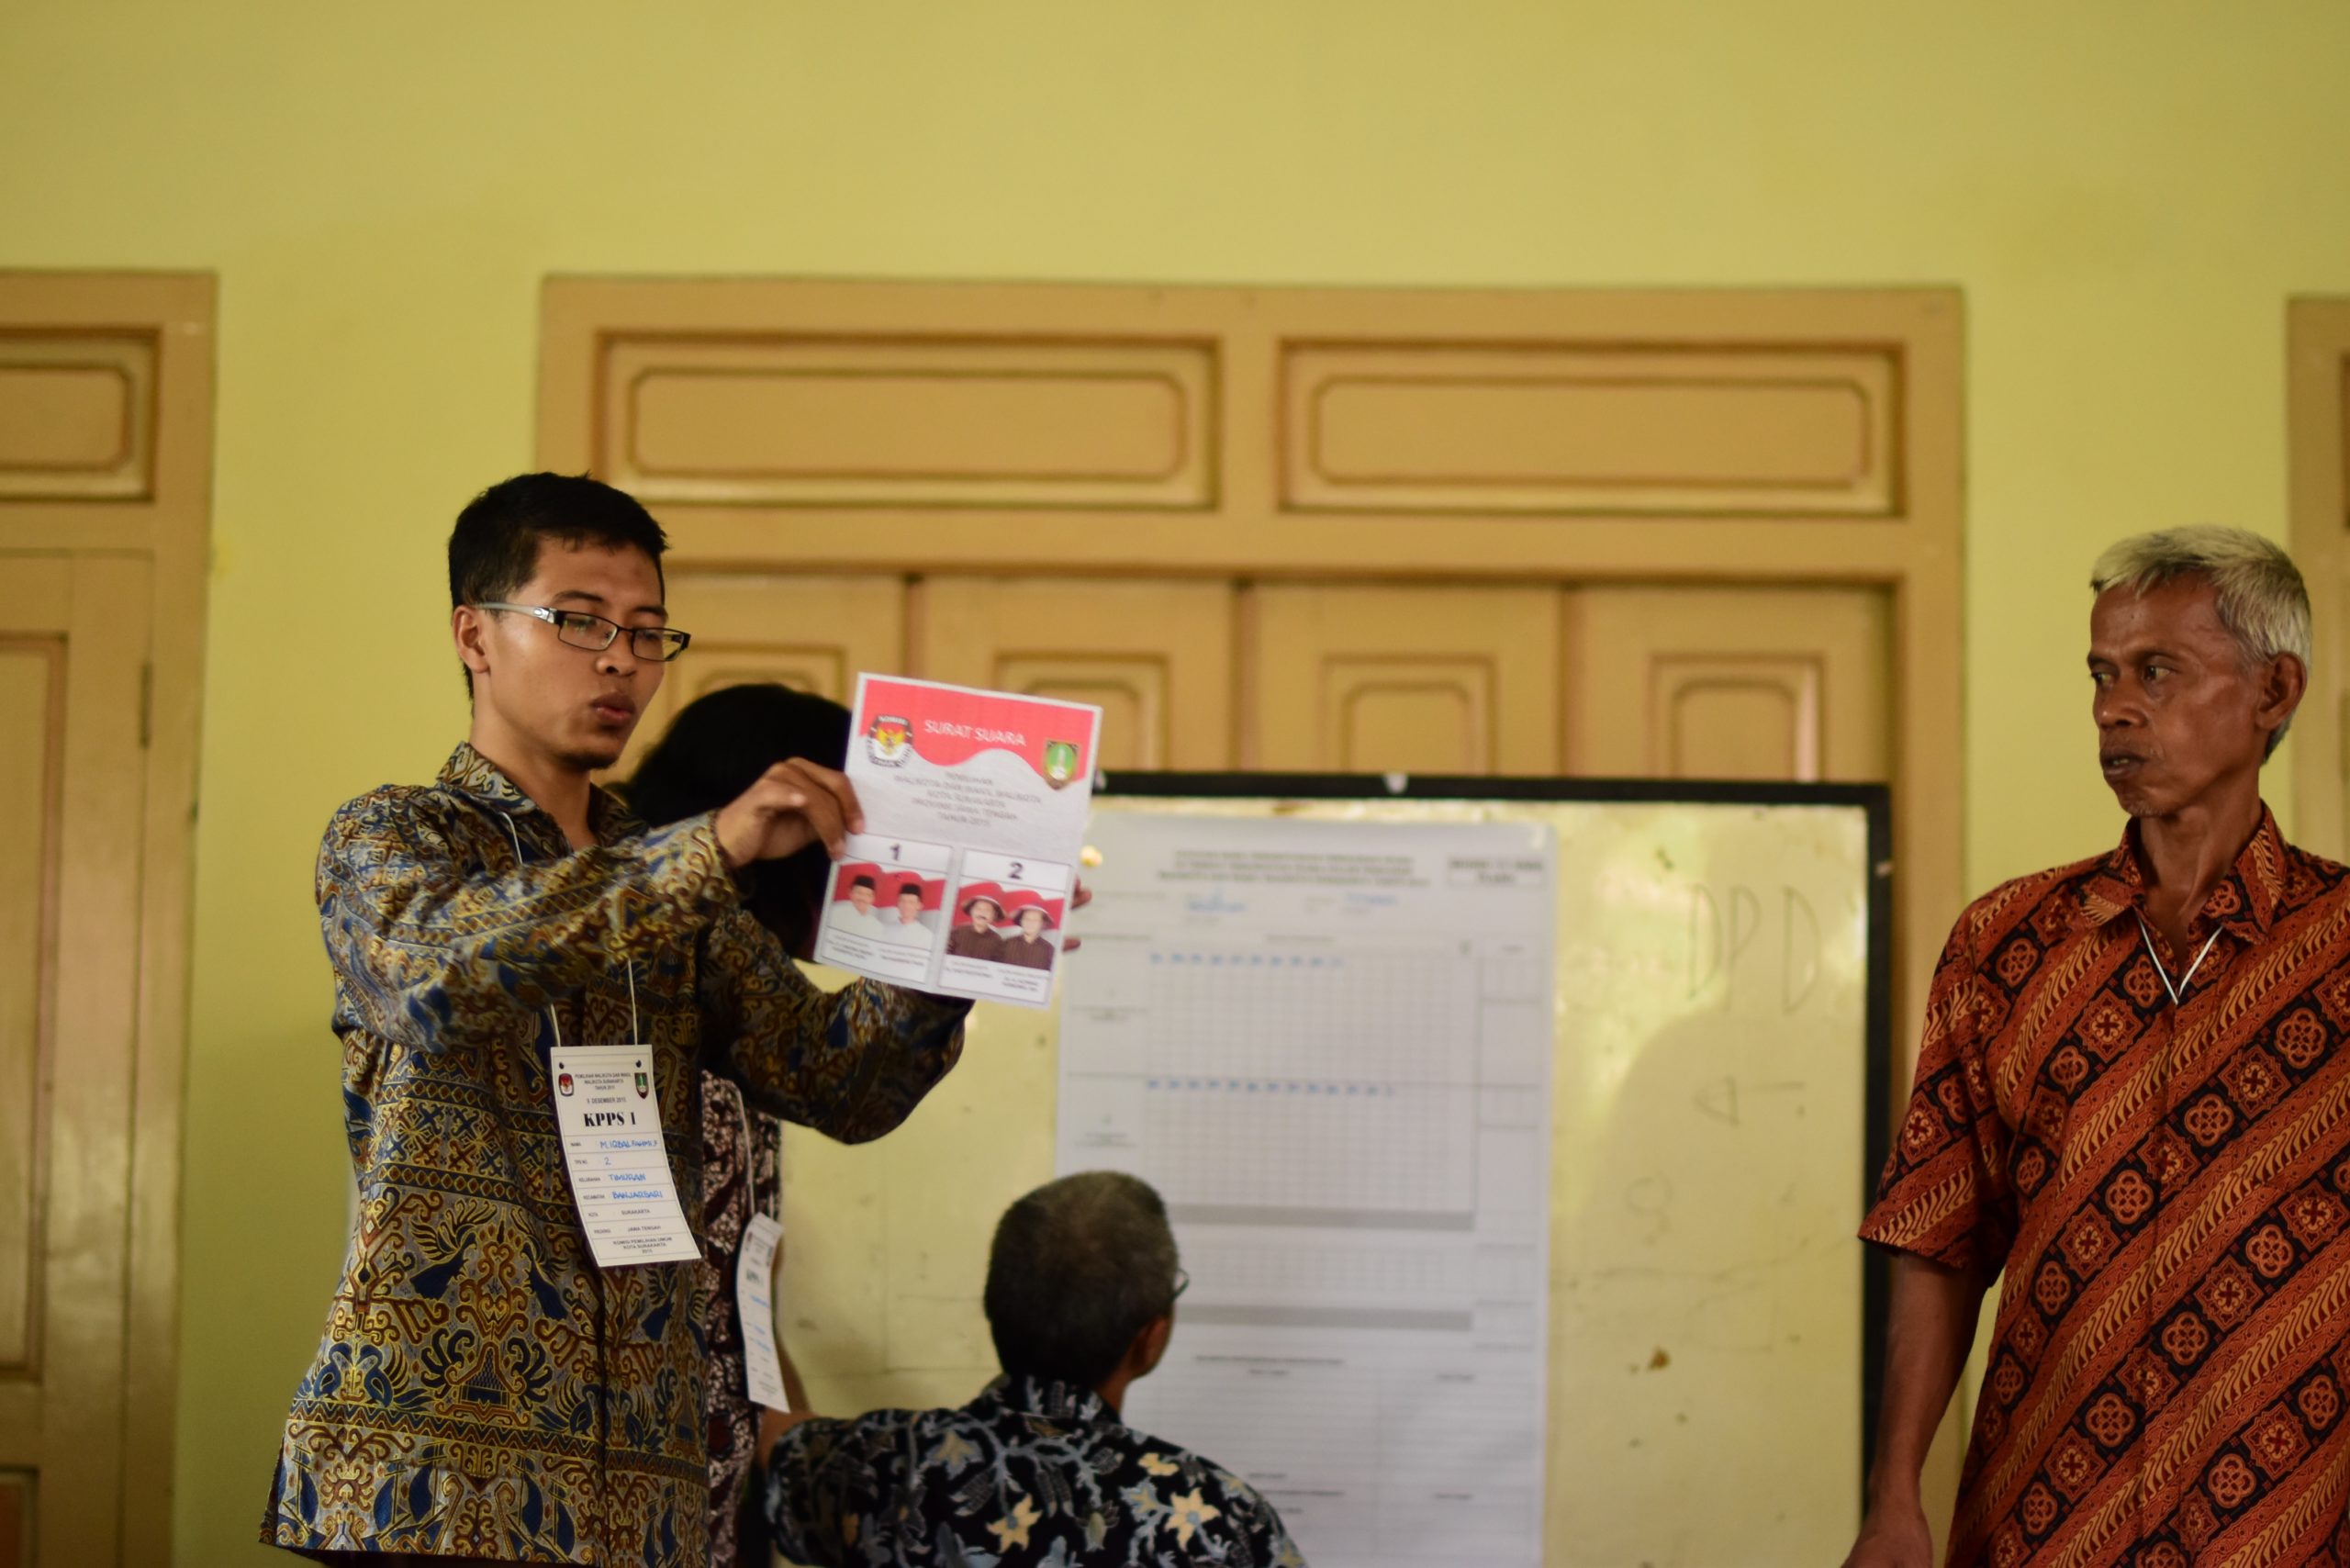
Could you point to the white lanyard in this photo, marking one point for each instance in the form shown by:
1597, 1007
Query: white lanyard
2186, 979
607, 1113
628, 964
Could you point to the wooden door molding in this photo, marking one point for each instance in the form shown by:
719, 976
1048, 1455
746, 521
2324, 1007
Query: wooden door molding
2318, 407
1738, 437
106, 461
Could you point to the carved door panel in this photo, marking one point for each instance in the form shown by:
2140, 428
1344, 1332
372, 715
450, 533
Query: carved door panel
72, 667
1156, 656
1727, 683
811, 632
1411, 679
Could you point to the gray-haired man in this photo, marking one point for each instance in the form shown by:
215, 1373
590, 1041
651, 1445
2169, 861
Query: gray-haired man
2132, 1098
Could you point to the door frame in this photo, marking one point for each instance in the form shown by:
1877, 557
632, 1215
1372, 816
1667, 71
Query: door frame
156, 504
2317, 360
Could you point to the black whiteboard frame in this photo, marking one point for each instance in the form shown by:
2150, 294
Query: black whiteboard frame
1874, 800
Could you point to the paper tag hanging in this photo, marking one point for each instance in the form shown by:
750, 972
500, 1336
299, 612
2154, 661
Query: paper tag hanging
754, 1305
610, 1114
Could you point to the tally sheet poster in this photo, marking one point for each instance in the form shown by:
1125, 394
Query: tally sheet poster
975, 806
1328, 1046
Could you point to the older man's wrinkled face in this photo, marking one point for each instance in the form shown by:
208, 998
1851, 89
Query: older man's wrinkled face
2179, 714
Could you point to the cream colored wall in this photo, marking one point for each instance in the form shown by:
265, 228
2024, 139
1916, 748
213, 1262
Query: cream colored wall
2127, 194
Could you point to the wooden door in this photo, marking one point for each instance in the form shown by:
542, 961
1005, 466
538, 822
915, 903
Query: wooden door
1408, 679
1781, 684
74, 649
2318, 396
1156, 656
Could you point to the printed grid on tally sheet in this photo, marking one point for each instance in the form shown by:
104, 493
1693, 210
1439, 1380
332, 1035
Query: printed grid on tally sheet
1337, 1082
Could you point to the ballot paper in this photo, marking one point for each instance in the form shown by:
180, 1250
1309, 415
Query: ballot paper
975, 805
1327, 1046
609, 1115
755, 1306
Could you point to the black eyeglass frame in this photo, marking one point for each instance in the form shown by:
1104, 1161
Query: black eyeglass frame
669, 642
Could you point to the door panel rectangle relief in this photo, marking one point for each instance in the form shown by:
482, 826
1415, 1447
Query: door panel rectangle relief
811, 632
1784, 684
33, 671
1424, 679
76, 416
1155, 656
857, 420
71, 670
1548, 427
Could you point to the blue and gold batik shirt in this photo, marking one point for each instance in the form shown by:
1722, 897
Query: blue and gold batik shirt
483, 1389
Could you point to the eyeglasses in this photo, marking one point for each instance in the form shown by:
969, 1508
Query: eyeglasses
1183, 1283
654, 644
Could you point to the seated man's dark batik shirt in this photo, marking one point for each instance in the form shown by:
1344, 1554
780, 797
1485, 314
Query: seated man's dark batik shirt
1030, 1474
2167, 1189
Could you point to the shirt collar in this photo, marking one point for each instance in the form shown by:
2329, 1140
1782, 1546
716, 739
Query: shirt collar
473, 774
469, 772
2245, 901
1054, 1400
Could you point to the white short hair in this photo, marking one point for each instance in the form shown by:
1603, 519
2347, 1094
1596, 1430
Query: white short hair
2259, 593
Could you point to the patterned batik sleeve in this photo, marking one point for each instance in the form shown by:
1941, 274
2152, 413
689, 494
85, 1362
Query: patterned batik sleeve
820, 1488
425, 945
1264, 1542
1944, 1193
852, 1063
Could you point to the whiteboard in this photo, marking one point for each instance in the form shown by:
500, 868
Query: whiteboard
1721, 1019
1328, 1046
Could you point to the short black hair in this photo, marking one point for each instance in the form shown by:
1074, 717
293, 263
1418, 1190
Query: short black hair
910, 889
1078, 1268
494, 549
718, 744
865, 882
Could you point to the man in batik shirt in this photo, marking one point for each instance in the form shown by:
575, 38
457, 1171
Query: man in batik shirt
1039, 1472
2133, 1099
484, 1392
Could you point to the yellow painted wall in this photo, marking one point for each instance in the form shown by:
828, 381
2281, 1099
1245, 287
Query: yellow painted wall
2126, 192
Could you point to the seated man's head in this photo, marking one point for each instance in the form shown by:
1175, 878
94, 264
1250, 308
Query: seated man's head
910, 903
1082, 1281
2199, 651
984, 911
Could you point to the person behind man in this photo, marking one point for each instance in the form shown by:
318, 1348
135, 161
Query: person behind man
1039, 1469
2131, 1097
1026, 945
483, 1390
715, 747
980, 939
908, 928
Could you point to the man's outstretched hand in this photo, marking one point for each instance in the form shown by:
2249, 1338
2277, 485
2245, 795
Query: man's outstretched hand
792, 805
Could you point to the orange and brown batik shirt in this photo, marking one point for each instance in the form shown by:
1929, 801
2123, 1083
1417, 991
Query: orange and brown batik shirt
2168, 1188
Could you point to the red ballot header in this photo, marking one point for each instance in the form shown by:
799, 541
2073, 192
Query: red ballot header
947, 727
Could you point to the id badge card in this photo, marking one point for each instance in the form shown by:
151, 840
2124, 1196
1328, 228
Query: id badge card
610, 1114
755, 1307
